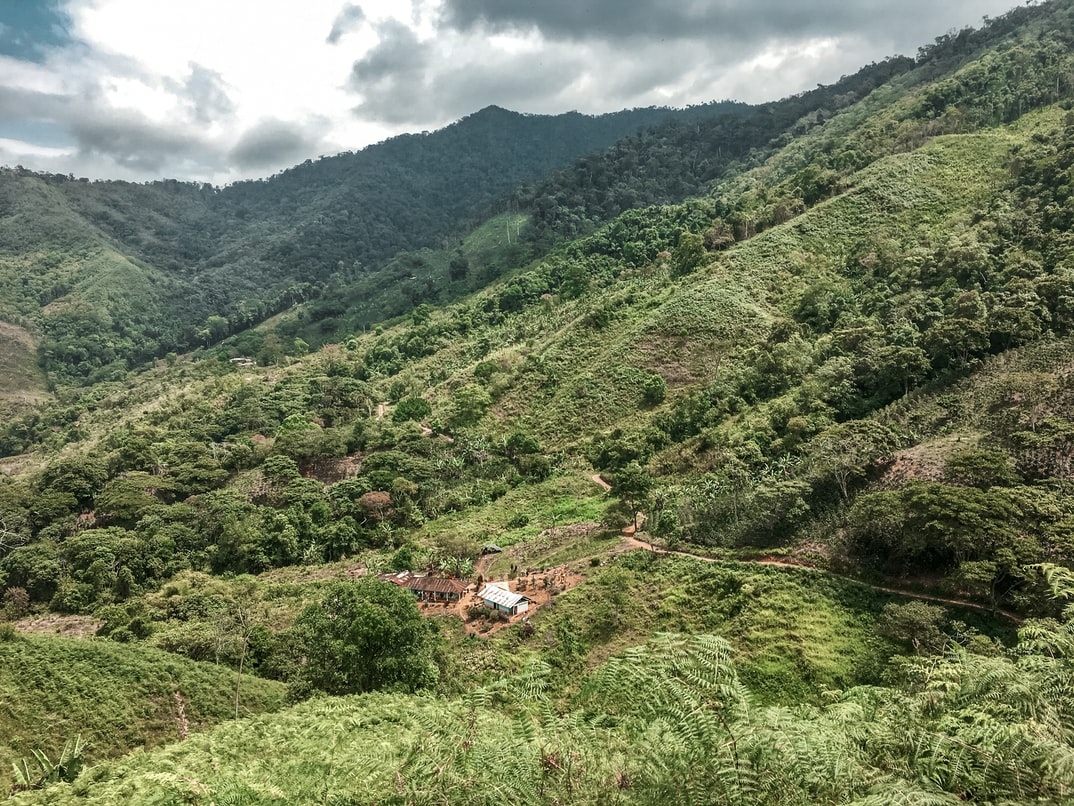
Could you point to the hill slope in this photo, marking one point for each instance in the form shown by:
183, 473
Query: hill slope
737, 348
117, 697
669, 718
196, 263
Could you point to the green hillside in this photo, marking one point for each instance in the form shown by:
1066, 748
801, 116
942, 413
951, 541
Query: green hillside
739, 349
116, 697
669, 718
24, 382
114, 273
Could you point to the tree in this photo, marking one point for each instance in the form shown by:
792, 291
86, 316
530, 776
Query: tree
654, 389
847, 451
519, 443
979, 467
459, 267
411, 408
688, 255
917, 625
468, 405
363, 636
632, 485
235, 626
81, 477
956, 341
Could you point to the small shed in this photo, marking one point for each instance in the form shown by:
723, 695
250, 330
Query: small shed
497, 598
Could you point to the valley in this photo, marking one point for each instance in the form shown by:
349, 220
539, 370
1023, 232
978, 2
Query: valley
765, 408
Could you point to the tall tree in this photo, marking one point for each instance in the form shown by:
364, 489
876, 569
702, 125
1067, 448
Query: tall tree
363, 636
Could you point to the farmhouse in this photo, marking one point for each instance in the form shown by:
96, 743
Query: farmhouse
436, 589
497, 598
428, 588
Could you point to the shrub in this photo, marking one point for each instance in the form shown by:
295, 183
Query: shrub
654, 389
518, 520
15, 604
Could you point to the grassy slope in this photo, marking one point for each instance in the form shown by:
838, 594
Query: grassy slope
1019, 390
46, 244
119, 697
300, 755
796, 634
490, 249
564, 378
22, 384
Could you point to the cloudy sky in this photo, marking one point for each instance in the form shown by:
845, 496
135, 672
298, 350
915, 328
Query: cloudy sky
216, 90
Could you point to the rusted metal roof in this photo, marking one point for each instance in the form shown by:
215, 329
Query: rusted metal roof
435, 585
504, 598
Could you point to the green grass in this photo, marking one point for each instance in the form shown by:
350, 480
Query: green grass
568, 379
118, 697
560, 500
297, 756
22, 383
796, 633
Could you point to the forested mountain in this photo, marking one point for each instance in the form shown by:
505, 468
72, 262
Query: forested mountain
197, 263
111, 274
786, 470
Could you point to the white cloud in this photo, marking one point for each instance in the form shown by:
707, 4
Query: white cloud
13, 152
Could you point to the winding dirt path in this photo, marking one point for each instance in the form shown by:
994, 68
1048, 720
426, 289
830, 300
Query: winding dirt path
634, 543
631, 541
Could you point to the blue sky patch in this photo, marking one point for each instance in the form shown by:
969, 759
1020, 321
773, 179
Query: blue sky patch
29, 28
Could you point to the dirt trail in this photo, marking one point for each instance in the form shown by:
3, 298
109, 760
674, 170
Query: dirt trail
633, 542
600, 482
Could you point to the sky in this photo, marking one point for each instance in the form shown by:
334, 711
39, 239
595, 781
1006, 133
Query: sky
221, 90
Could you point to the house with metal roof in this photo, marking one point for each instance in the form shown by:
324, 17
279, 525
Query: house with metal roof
509, 602
428, 588
436, 589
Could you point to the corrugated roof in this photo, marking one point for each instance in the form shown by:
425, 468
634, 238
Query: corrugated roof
435, 585
501, 597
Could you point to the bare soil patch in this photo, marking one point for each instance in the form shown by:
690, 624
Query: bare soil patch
56, 624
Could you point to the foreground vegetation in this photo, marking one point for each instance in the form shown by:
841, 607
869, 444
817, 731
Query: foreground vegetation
116, 697
667, 719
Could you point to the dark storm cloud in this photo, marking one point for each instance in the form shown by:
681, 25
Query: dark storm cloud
208, 95
404, 80
124, 137
135, 142
715, 20
19, 103
272, 143
392, 77
349, 18
399, 53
